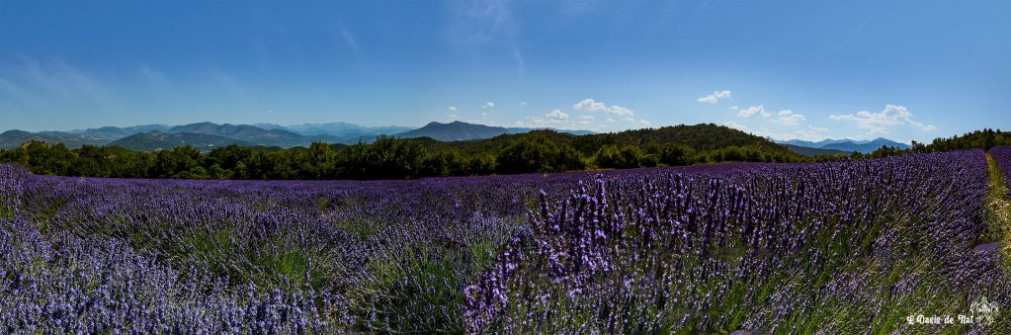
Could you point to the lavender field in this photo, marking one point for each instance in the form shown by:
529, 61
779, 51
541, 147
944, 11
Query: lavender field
836, 248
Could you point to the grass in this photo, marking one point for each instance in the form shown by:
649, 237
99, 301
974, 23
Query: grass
998, 206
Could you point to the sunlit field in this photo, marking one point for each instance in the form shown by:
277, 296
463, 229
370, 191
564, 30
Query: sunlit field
841, 247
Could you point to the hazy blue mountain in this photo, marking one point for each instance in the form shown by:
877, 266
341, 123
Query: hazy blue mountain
846, 145
265, 134
866, 147
455, 131
158, 140
14, 138
250, 134
461, 131
343, 129
118, 132
809, 144
341, 132
811, 152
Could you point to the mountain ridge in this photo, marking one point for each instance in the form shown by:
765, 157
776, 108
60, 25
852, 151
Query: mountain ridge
209, 134
845, 145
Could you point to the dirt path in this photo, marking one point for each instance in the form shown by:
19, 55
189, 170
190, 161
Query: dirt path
998, 206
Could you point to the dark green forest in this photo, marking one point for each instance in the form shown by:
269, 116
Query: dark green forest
393, 158
979, 139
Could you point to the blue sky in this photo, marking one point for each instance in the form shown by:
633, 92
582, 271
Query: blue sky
787, 69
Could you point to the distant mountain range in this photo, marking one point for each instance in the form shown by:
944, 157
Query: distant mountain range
833, 146
156, 140
462, 131
206, 135
342, 132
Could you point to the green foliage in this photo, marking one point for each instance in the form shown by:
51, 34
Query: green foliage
537, 153
979, 139
393, 158
628, 156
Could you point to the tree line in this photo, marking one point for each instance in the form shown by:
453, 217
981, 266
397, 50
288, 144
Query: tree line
395, 158
978, 139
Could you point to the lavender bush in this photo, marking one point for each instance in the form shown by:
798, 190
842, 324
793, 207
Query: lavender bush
835, 247
11, 186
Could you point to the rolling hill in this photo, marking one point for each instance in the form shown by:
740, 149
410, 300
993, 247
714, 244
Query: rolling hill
462, 131
157, 140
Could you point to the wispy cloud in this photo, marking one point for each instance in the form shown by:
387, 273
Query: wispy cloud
521, 68
478, 23
879, 123
149, 74
349, 39
488, 105
35, 89
451, 108
715, 97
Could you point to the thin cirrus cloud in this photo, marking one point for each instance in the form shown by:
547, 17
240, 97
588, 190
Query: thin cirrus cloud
879, 123
715, 97
488, 105
35, 89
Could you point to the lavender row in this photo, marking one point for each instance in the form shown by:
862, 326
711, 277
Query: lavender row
104, 255
11, 186
848, 247
659, 249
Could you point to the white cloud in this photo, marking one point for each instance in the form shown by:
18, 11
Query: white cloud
811, 133
878, 123
734, 107
715, 97
489, 104
787, 117
585, 120
590, 105
557, 115
751, 111
451, 108
736, 125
